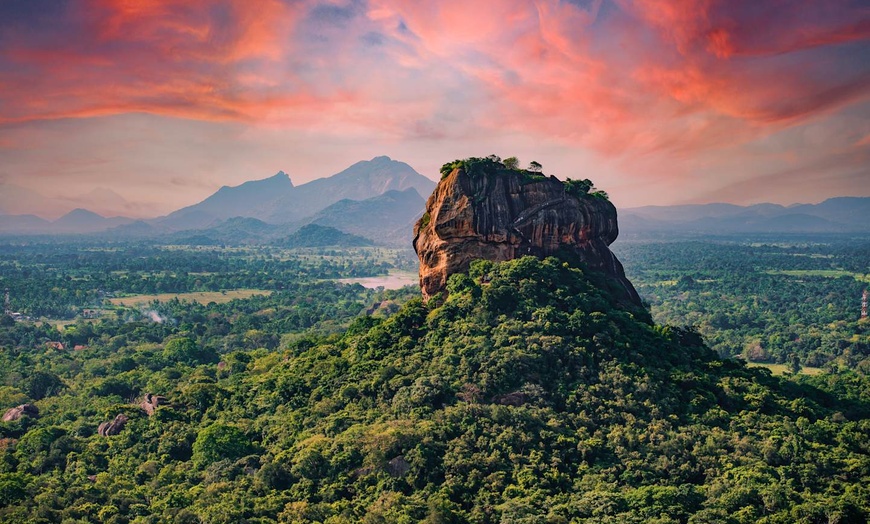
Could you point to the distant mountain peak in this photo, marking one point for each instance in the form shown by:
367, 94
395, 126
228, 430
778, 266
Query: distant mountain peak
79, 214
364, 179
279, 180
280, 175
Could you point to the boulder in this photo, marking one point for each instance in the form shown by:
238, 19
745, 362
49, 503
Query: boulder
19, 411
114, 427
151, 402
398, 466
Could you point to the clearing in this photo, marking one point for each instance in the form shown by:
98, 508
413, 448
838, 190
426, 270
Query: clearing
779, 369
203, 297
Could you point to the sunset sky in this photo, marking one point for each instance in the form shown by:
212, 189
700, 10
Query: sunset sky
139, 107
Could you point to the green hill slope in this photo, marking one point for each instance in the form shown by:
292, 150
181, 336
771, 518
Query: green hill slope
315, 235
529, 395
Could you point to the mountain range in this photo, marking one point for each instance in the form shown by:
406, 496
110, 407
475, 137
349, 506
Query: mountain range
835, 215
276, 200
380, 199
76, 221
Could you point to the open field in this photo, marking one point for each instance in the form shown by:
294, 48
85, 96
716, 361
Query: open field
829, 273
203, 297
779, 369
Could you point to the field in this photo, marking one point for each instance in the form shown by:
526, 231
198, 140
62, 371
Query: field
204, 297
828, 273
779, 369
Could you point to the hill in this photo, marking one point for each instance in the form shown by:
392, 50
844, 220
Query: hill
77, 221
23, 224
233, 231
84, 221
388, 218
314, 235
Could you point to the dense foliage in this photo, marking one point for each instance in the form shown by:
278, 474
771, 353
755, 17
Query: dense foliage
528, 395
313, 235
762, 301
58, 280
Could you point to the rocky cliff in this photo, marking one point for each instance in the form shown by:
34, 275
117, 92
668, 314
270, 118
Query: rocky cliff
499, 214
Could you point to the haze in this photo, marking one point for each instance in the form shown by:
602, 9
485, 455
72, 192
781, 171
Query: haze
139, 108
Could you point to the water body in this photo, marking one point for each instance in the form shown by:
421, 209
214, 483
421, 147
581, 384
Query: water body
391, 281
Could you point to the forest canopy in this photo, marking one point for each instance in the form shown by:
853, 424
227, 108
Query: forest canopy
529, 395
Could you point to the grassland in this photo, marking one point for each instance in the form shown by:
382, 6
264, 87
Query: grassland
827, 273
779, 369
203, 297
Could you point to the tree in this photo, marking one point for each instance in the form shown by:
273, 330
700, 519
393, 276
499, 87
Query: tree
578, 188
794, 364
42, 384
219, 442
535, 167
185, 350
512, 162
12, 488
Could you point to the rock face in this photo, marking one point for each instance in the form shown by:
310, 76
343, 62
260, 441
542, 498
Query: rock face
502, 215
19, 411
114, 427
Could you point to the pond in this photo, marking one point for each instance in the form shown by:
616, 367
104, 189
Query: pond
392, 281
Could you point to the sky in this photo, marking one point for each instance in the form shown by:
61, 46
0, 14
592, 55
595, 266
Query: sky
139, 107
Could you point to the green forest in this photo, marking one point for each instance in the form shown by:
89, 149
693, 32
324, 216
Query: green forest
763, 301
529, 394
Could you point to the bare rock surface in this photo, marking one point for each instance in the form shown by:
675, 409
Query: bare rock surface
506, 214
114, 427
17, 412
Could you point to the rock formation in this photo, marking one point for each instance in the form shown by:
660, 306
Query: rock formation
151, 402
500, 214
19, 411
114, 427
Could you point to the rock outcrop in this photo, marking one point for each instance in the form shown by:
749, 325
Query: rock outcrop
151, 402
114, 427
500, 214
17, 412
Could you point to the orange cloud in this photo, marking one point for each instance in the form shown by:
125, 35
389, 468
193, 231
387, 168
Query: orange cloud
623, 77
693, 74
159, 56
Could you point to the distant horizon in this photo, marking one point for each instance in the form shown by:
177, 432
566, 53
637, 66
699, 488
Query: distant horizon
57, 215
140, 108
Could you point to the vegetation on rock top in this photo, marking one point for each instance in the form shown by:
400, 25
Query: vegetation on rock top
493, 164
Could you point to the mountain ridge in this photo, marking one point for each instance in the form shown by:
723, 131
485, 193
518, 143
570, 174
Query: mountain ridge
834, 215
388, 217
227, 202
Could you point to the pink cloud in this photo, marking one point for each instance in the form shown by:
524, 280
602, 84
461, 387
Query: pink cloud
664, 65
653, 83
184, 59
